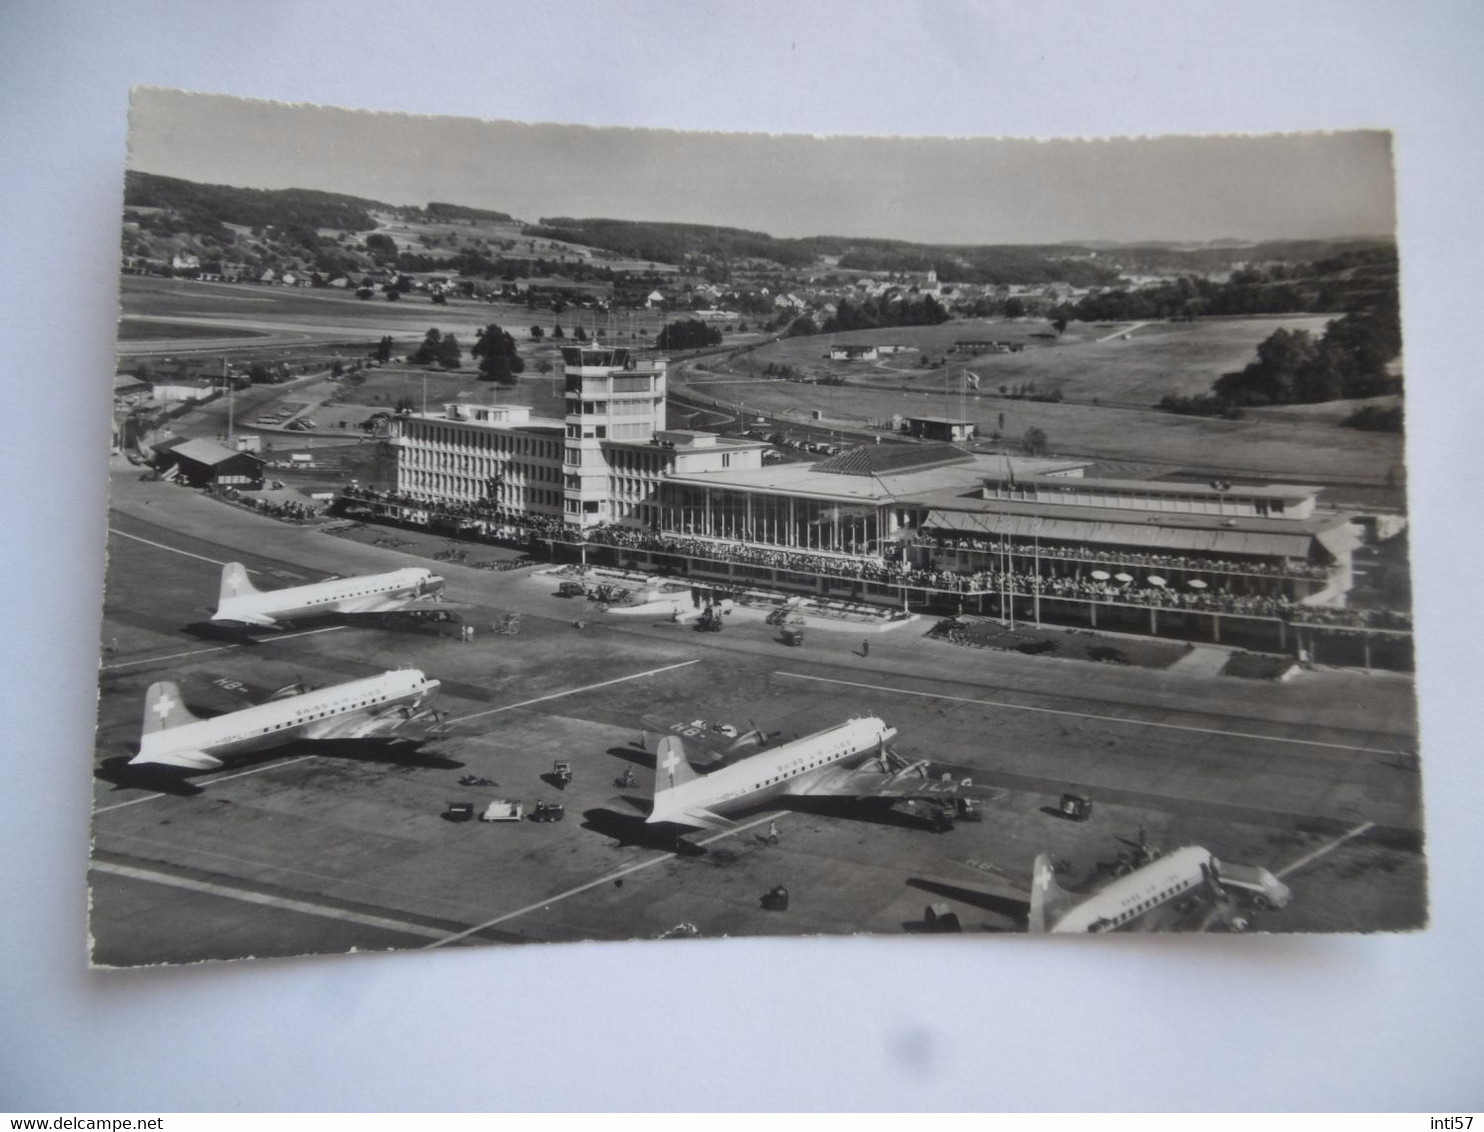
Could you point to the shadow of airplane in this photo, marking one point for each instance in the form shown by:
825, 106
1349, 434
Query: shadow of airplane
175, 780
875, 811
633, 755
1007, 906
392, 750
225, 634
632, 829
117, 772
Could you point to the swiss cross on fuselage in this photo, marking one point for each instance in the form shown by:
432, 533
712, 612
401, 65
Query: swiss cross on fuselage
672, 760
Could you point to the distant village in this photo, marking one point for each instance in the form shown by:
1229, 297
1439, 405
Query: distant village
738, 294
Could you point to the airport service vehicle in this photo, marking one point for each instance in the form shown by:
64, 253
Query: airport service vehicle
174, 736
572, 589
849, 760
938, 917
459, 811
709, 621
561, 770
241, 603
1077, 807
936, 817
548, 811
775, 899
503, 809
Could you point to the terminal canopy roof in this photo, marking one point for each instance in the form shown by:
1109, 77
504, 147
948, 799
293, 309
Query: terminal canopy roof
1142, 535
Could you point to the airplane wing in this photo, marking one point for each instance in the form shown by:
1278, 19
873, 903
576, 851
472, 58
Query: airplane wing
254, 693
357, 726
256, 620
187, 760
387, 603
704, 818
886, 775
717, 743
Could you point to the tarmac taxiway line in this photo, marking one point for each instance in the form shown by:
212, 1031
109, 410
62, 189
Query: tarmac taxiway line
248, 896
1089, 715
171, 549
219, 648
575, 691
1329, 846
213, 781
618, 874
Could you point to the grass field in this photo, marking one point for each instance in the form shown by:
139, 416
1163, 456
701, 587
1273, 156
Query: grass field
143, 329
1090, 362
1299, 451
335, 313
1122, 426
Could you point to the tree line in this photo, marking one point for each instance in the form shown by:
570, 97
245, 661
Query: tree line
895, 310
1350, 281
1349, 360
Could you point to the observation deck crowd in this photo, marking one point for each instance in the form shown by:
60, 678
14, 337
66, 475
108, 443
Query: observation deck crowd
990, 583
1288, 568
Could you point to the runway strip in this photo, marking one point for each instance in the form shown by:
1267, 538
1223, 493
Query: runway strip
574, 691
1090, 715
1309, 858
220, 648
609, 879
223, 778
172, 549
250, 897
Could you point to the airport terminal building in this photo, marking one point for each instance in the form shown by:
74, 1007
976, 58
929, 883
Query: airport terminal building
926, 525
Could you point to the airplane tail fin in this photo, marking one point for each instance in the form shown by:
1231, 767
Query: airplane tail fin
1049, 901
235, 582
671, 768
163, 708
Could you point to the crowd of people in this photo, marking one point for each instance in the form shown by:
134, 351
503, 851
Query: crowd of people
1288, 568
288, 509
990, 583
773, 558
511, 524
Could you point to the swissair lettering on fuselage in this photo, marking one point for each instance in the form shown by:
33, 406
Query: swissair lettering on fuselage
308, 713
791, 769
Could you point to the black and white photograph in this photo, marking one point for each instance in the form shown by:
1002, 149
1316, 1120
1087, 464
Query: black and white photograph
533, 533
787, 507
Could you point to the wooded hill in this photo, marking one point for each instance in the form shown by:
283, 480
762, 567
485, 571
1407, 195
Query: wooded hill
1080, 264
204, 208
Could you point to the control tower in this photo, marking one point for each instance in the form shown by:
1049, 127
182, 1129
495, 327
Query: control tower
611, 396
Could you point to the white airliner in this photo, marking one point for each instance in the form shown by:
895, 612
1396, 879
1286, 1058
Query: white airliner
243, 603
173, 736
807, 767
1053, 909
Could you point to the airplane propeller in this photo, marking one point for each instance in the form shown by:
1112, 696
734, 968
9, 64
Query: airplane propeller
763, 737
1143, 851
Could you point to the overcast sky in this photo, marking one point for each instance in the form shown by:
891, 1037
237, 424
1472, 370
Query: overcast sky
943, 190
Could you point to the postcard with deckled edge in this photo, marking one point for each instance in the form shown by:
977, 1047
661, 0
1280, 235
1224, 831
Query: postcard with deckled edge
537, 533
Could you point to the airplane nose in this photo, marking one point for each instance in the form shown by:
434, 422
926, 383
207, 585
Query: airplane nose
433, 585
